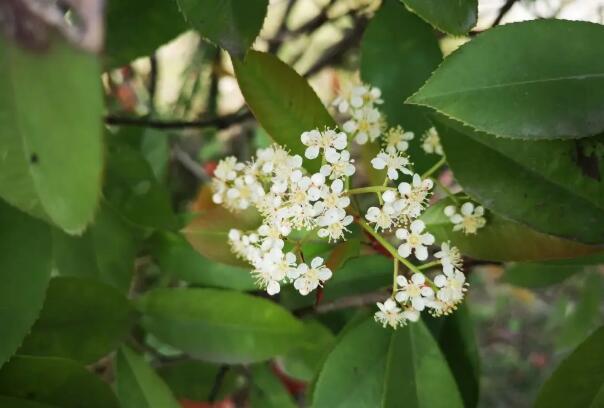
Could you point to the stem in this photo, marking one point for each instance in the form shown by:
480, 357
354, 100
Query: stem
428, 265
372, 189
434, 168
394, 276
448, 192
387, 246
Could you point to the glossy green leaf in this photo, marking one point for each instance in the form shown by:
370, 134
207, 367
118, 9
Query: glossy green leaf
457, 341
105, 252
38, 119
136, 28
132, 189
525, 91
456, 17
303, 363
194, 380
399, 69
25, 266
579, 379
502, 239
220, 326
56, 382
540, 184
177, 258
267, 391
208, 233
138, 385
231, 24
376, 367
538, 274
282, 101
81, 319
10, 402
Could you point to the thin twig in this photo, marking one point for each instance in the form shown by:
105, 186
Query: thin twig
503, 11
220, 122
222, 371
344, 303
189, 163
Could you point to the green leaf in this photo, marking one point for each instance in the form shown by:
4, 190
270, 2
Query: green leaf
220, 326
194, 380
81, 319
138, 385
208, 233
56, 382
456, 17
136, 28
39, 119
539, 184
399, 69
21, 403
25, 267
282, 101
267, 391
538, 274
501, 239
177, 258
456, 339
528, 91
105, 252
376, 367
231, 24
132, 189
579, 380
303, 363
585, 316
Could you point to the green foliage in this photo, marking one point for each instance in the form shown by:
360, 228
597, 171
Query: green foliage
282, 101
81, 320
413, 50
54, 382
136, 28
538, 274
502, 239
579, 380
545, 187
455, 17
177, 258
138, 385
220, 326
105, 251
401, 368
25, 267
232, 25
267, 391
194, 380
61, 107
516, 91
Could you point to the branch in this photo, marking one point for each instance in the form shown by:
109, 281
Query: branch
344, 303
220, 122
503, 11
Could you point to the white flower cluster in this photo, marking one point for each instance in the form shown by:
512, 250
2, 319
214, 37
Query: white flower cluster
469, 219
365, 121
412, 296
431, 142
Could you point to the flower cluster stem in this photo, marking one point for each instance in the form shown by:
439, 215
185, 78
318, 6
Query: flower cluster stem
434, 168
394, 276
372, 189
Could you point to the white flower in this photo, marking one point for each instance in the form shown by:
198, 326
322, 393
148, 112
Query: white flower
308, 279
469, 221
414, 196
389, 314
383, 218
393, 163
366, 124
414, 290
451, 286
334, 223
450, 257
245, 191
414, 240
338, 165
398, 140
273, 268
431, 142
228, 169
357, 97
328, 140
332, 197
